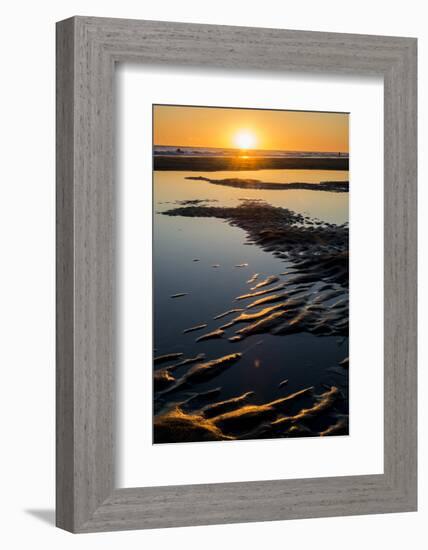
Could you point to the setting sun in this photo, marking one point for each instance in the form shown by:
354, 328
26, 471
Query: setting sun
245, 139
249, 129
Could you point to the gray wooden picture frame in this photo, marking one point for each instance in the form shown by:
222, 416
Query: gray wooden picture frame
87, 50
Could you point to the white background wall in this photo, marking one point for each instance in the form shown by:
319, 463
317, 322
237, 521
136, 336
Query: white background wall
27, 272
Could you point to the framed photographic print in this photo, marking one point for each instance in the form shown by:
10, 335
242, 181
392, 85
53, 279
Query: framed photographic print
236, 274
298, 288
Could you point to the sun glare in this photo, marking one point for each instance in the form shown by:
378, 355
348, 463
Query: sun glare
245, 139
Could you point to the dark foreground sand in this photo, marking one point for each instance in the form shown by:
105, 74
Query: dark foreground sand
237, 418
312, 296
211, 164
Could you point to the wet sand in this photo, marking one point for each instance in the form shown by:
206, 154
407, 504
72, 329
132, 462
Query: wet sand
285, 233
303, 413
242, 183
310, 297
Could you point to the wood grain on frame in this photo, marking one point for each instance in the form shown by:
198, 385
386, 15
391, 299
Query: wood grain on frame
87, 49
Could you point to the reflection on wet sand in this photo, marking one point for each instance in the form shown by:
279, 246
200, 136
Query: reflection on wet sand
173, 188
310, 297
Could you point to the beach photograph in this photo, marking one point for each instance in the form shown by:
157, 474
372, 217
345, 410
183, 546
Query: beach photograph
250, 274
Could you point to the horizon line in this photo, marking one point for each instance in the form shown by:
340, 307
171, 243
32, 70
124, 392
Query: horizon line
252, 149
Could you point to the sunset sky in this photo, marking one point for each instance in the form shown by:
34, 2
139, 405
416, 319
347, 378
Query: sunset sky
250, 128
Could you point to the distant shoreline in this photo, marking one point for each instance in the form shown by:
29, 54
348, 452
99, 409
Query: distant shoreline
213, 164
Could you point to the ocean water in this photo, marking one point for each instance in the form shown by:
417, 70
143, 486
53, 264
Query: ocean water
227, 152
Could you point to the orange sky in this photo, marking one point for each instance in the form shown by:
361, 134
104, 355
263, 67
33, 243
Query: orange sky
218, 127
